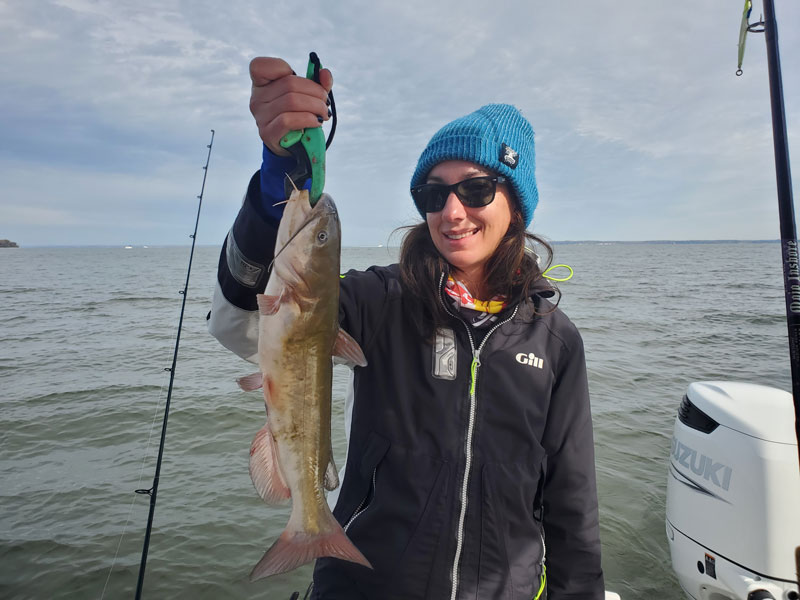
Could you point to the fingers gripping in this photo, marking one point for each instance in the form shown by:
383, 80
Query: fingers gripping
281, 101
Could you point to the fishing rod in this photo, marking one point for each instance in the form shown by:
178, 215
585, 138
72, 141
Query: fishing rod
153, 491
783, 176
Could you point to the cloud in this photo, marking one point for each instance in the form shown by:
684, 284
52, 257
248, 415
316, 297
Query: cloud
642, 129
21, 214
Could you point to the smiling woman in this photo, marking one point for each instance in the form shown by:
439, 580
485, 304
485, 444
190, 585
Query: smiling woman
467, 236
464, 461
476, 212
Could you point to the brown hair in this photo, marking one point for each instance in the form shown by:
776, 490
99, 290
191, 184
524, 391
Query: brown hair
511, 271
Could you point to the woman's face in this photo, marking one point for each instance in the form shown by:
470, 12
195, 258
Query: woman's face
467, 237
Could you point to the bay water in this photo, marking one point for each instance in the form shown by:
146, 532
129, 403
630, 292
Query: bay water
87, 333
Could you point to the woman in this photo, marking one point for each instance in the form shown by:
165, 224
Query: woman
470, 439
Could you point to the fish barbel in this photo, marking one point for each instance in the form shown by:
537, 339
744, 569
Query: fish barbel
291, 455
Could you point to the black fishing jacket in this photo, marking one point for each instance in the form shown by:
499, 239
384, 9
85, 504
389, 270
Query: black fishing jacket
470, 464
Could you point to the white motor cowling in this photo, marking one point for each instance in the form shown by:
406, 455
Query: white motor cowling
733, 493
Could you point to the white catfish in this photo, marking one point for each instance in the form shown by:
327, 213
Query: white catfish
298, 334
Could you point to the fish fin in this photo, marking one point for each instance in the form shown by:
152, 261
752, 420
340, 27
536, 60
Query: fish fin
265, 471
268, 305
296, 547
331, 476
251, 382
347, 349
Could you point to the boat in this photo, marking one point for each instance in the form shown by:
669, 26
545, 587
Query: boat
732, 519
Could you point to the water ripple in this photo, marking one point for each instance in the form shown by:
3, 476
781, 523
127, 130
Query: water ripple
84, 389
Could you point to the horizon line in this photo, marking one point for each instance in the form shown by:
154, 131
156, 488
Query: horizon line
662, 241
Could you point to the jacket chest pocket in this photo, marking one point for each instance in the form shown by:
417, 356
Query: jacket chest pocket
512, 536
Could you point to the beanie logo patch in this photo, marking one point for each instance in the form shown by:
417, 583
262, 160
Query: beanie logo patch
509, 156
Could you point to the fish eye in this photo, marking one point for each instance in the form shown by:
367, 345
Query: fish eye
322, 236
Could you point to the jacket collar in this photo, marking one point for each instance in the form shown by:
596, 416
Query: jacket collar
538, 295
541, 290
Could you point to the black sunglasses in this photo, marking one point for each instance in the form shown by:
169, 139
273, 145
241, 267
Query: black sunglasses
475, 192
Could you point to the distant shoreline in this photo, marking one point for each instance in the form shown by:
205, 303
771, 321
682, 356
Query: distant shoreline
599, 242
554, 242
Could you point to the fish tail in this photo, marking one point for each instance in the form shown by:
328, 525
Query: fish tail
295, 548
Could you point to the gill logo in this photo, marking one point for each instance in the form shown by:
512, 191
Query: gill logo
530, 359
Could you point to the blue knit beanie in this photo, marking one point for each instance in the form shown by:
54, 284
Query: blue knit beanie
495, 136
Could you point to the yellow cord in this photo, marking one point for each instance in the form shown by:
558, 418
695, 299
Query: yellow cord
571, 273
542, 583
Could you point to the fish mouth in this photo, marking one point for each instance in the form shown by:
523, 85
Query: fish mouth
324, 205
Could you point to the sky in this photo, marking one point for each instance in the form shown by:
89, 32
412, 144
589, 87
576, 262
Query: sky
643, 130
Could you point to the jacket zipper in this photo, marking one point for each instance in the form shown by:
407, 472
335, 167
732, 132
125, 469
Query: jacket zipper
361, 508
476, 363
544, 546
543, 576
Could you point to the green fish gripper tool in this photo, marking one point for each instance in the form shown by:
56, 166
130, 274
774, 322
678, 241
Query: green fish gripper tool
308, 148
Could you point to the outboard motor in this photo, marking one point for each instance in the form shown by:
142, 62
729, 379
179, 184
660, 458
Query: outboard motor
733, 493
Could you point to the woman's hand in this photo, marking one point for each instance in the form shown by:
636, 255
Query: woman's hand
281, 101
